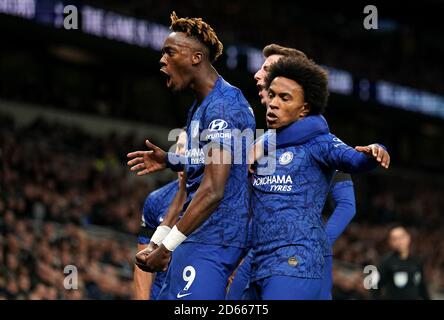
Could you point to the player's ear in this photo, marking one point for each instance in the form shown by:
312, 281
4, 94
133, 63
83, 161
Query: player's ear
305, 110
196, 58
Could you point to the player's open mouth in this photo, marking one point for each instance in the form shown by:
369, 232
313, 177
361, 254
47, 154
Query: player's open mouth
167, 77
271, 117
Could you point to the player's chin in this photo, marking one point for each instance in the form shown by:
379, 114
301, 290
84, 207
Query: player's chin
273, 125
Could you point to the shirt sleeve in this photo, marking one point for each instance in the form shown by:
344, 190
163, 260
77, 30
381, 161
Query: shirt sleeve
331, 152
226, 125
343, 196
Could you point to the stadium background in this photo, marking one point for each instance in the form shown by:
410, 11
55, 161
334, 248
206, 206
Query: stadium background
74, 102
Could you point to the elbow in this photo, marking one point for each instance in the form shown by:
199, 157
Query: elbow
351, 209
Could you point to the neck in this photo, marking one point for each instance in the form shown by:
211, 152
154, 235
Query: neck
204, 82
404, 254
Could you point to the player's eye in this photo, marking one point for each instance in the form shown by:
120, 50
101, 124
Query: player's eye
168, 52
285, 97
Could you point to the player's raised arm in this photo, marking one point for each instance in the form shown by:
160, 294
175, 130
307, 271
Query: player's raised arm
332, 152
376, 151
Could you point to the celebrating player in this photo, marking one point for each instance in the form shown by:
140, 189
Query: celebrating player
288, 235
208, 241
342, 192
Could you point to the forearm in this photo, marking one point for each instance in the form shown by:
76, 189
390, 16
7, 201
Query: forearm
204, 203
341, 217
345, 208
175, 207
210, 193
356, 162
142, 280
330, 151
206, 199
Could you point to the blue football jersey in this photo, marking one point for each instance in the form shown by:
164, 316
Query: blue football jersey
288, 233
154, 210
221, 119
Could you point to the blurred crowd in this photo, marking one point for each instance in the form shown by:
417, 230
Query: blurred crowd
38, 261
397, 52
60, 174
56, 182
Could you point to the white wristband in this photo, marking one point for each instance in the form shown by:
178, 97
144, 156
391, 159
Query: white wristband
160, 234
173, 239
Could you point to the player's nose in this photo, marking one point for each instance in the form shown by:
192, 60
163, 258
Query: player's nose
257, 76
273, 103
163, 61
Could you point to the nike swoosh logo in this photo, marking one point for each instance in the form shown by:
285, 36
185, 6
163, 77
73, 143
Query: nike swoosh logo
182, 295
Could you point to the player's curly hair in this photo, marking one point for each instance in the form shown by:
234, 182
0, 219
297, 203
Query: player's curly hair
311, 77
199, 29
273, 48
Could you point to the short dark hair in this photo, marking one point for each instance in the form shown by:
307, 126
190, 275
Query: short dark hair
311, 77
200, 30
273, 48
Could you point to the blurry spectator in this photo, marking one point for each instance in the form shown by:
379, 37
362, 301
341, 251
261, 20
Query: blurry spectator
401, 274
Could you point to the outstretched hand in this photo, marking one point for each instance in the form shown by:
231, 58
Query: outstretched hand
145, 162
377, 152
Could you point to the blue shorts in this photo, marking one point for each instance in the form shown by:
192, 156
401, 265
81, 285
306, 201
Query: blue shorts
240, 288
199, 272
157, 285
288, 288
327, 281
